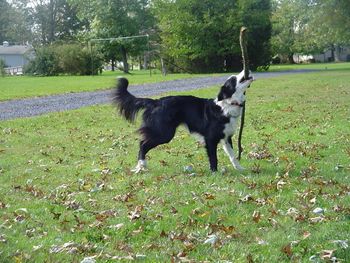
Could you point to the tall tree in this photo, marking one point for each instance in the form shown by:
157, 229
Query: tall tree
4, 20
329, 27
55, 20
310, 26
122, 18
15, 26
256, 16
288, 20
203, 34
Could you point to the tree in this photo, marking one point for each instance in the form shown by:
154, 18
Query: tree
334, 30
256, 16
50, 20
288, 21
310, 26
203, 34
122, 18
4, 20
14, 25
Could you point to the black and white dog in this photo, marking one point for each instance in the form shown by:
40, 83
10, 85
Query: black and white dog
213, 120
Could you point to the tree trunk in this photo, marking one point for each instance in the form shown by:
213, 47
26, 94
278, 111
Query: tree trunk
145, 60
52, 21
290, 58
113, 64
164, 72
125, 60
140, 62
337, 53
332, 53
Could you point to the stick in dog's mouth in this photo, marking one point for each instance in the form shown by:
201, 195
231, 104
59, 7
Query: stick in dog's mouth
243, 79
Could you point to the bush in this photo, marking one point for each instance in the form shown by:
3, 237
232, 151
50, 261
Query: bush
2, 68
71, 59
45, 62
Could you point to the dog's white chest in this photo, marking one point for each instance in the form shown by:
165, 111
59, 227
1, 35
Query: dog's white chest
230, 127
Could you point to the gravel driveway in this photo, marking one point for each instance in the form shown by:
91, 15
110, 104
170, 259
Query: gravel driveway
36, 106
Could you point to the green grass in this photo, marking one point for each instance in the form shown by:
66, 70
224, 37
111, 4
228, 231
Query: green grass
317, 66
65, 178
28, 86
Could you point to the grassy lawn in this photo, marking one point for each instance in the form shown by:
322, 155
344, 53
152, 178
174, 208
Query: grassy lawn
317, 66
67, 193
29, 86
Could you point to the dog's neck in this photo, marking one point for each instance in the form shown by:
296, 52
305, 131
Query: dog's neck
230, 108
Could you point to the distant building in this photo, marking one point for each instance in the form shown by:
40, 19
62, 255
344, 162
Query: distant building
15, 57
341, 54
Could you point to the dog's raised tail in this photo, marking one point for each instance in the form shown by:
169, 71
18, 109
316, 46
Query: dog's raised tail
127, 103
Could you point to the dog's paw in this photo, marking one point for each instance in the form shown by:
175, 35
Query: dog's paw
140, 167
138, 170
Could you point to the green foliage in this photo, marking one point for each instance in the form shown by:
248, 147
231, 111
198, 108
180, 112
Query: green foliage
77, 60
45, 62
13, 24
310, 26
58, 59
2, 68
329, 25
203, 35
122, 18
256, 16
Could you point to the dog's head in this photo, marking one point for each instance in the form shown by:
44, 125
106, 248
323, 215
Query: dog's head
232, 93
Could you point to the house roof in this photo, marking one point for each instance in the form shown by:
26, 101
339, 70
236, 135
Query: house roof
14, 50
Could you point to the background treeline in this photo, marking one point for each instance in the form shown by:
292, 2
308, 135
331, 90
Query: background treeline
197, 35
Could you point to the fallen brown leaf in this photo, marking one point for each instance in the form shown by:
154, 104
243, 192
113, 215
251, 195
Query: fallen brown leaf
136, 214
327, 254
256, 216
287, 249
209, 196
306, 234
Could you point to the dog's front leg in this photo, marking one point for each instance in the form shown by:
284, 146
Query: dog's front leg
211, 147
227, 145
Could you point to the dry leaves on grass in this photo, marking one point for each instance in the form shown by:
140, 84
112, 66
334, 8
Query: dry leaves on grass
256, 216
136, 213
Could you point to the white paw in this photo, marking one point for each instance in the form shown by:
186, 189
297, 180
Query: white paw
140, 167
138, 170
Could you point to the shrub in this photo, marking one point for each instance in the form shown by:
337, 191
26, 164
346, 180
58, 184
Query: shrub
45, 62
58, 59
2, 68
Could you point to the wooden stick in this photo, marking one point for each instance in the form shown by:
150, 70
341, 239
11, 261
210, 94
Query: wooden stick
243, 43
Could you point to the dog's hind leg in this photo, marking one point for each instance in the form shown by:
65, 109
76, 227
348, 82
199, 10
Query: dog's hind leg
227, 145
211, 146
150, 141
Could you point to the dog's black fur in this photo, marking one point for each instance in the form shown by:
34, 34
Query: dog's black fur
162, 116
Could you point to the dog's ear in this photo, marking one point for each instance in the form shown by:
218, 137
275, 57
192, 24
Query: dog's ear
228, 89
221, 94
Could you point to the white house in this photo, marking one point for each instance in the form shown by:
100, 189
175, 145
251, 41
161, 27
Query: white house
14, 56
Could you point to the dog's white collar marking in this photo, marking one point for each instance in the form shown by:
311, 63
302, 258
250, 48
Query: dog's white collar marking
229, 108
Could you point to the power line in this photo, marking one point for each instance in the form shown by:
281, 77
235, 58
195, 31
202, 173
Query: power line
117, 38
